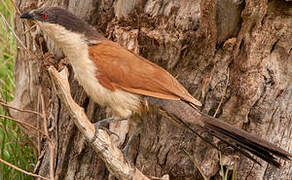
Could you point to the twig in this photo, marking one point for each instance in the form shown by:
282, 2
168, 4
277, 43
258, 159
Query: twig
25, 124
18, 39
103, 145
16, 8
25, 22
17, 109
19, 13
224, 93
197, 165
51, 143
21, 170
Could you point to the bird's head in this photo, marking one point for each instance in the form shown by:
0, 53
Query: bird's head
60, 24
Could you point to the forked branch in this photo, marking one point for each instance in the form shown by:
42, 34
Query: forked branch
103, 145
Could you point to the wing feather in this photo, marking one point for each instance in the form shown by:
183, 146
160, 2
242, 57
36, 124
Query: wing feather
118, 68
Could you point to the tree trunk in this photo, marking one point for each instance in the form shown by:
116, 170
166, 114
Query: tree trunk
232, 55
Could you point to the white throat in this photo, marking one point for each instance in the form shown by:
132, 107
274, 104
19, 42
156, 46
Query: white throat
73, 45
64, 38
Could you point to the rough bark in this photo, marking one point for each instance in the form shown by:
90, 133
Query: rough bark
200, 43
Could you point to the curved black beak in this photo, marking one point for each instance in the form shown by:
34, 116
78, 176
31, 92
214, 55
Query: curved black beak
26, 15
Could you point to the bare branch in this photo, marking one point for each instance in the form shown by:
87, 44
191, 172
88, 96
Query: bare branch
18, 39
25, 124
17, 109
103, 145
21, 170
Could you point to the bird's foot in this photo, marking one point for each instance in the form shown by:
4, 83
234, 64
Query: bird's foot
98, 125
125, 150
109, 132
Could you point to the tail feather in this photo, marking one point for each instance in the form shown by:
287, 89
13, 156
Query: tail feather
244, 141
247, 144
242, 147
231, 144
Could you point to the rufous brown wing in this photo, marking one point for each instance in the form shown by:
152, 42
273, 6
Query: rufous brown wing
118, 68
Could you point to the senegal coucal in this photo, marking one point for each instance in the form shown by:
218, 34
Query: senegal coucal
119, 79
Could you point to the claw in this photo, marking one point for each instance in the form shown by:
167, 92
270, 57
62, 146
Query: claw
106, 121
110, 132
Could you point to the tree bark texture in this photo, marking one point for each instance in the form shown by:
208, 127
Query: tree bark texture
208, 45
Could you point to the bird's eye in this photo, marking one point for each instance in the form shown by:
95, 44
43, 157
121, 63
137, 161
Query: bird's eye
45, 15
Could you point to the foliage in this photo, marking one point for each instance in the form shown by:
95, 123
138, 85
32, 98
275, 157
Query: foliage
225, 170
14, 145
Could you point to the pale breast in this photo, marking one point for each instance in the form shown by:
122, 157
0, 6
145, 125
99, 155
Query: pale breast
121, 102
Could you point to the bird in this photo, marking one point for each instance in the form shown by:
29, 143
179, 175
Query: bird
119, 79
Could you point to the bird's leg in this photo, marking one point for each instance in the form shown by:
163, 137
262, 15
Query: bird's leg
107, 121
125, 150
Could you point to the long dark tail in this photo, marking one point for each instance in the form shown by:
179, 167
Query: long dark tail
244, 141
189, 117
